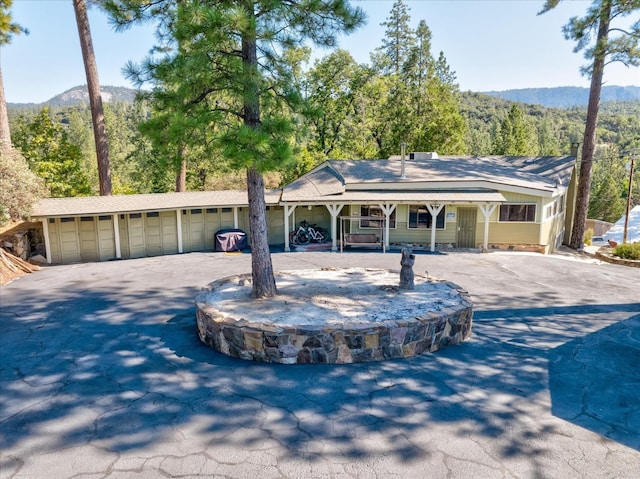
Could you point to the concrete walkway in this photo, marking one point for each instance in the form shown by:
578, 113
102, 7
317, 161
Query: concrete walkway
102, 376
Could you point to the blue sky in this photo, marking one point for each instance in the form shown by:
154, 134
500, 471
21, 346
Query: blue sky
490, 44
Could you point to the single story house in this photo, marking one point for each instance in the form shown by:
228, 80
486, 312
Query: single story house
522, 203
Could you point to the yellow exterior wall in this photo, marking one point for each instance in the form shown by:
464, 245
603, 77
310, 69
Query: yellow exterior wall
401, 233
512, 232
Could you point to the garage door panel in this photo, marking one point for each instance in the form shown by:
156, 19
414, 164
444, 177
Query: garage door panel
106, 238
69, 245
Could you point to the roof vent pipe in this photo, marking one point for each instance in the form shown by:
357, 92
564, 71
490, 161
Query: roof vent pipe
403, 147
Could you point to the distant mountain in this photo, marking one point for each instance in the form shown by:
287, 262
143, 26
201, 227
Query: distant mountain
567, 96
80, 94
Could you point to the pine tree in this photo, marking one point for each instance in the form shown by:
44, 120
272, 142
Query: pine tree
398, 40
227, 61
611, 44
95, 97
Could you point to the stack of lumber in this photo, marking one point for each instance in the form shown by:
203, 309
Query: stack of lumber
14, 264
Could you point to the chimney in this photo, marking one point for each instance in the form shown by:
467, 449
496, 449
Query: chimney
574, 149
423, 155
403, 147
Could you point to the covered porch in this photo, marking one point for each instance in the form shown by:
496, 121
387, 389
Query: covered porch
402, 216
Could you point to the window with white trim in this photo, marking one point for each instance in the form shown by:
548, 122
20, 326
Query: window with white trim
374, 210
518, 212
420, 217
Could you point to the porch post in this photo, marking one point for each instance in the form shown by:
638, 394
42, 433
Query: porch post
434, 210
387, 210
116, 236
179, 229
487, 210
235, 217
288, 209
334, 210
47, 242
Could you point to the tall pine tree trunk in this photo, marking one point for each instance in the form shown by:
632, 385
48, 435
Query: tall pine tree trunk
5, 134
181, 177
589, 142
264, 284
95, 98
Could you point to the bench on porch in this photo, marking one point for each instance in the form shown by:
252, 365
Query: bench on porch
362, 239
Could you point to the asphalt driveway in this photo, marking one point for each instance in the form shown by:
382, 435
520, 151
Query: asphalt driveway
102, 376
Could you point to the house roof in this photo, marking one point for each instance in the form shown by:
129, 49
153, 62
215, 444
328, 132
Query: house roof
96, 205
446, 179
333, 178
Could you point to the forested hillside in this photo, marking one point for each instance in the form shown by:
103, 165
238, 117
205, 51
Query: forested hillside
343, 110
568, 96
70, 169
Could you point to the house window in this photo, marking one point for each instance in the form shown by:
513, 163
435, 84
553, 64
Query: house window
420, 218
196, 211
153, 214
227, 210
373, 210
523, 213
212, 210
86, 218
67, 220
104, 217
135, 216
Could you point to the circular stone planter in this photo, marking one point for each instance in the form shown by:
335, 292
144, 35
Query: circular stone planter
333, 316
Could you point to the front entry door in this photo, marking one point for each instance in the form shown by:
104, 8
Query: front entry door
466, 237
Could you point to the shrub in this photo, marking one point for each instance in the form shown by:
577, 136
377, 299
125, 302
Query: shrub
20, 189
628, 251
588, 236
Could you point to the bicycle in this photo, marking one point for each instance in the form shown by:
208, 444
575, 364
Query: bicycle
307, 233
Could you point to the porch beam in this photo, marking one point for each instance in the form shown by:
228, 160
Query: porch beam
235, 217
434, 210
116, 236
334, 210
387, 209
288, 210
179, 229
487, 211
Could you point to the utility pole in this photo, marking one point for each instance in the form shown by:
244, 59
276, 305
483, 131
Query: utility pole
626, 217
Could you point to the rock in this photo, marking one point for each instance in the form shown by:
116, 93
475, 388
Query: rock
38, 259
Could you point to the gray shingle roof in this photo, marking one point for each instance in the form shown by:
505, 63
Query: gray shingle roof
542, 174
97, 205
355, 181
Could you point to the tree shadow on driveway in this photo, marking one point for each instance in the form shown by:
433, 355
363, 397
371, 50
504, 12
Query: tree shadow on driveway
117, 367
595, 381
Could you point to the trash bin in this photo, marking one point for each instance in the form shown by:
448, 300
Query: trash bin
231, 240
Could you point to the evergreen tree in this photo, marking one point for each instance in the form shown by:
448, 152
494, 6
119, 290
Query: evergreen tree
8, 28
611, 44
49, 153
95, 97
397, 42
516, 136
421, 104
228, 62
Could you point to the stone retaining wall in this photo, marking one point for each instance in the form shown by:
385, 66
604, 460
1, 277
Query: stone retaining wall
352, 342
604, 254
